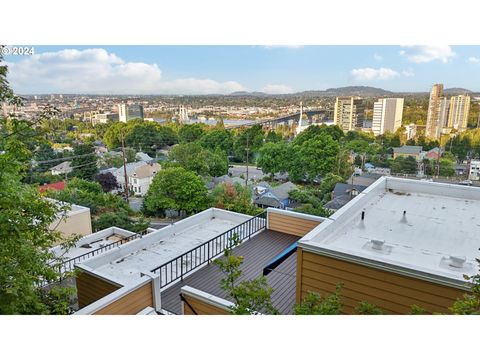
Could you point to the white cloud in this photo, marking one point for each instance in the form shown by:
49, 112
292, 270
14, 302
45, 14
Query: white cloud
426, 53
97, 71
474, 60
368, 74
277, 89
408, 73
378, 57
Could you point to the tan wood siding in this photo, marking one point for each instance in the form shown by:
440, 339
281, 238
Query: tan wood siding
91, 288
201, 307
130, 304
290, 224
391, 292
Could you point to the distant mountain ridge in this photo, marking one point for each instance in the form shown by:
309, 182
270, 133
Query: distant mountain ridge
364, 91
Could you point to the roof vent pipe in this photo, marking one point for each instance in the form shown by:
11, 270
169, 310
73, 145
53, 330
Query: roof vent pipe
377, 244
457, 261
404, 217
363, 215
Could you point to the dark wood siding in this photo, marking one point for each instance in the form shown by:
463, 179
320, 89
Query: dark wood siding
91, 288
290, 224
391, 292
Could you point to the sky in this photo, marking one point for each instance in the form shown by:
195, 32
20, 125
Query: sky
197, 70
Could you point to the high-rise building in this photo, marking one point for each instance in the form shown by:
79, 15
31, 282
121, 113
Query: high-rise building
433, 118
387, 115
349, 113
458, 114
129, 112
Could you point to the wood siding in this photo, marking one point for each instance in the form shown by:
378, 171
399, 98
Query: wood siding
130, 304
201, 307
290, 224
91, 288
391, 292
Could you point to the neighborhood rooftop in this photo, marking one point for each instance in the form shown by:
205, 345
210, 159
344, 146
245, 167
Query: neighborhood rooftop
127, 262
424, 229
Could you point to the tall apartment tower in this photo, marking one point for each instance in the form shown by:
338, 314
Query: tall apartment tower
387, 115
458, 114
349, 113
433, 118
129, 112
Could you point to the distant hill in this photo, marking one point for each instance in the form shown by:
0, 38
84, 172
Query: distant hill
366, 91
348, 91
457, 91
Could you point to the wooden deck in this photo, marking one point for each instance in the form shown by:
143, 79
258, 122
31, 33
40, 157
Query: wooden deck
257, 252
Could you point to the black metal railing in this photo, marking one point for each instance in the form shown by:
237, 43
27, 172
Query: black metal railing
69, 265
180, 266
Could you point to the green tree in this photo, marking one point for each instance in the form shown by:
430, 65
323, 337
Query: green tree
314, 157
193, 157
446, 167
314, 304
272, 157
217, 138
249, 296
190, 133
25, 218
84, 163
366, 308
253, 137
120, 219
273, 137
176, 189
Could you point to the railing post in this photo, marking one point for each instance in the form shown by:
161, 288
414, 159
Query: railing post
208, 251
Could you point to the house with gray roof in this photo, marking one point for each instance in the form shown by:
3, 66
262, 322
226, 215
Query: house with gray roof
342, 194
276, 197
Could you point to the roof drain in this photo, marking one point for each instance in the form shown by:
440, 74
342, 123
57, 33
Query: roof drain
457, 261
377, 244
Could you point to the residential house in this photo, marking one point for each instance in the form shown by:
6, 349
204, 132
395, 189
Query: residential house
62, 168
434, 154
407, 150
119, 173
342, 194
54, 186
474, 171
276, 197
140, 179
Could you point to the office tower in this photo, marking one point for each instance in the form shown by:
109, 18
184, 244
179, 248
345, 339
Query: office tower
129, 112
458, 115
387, 115
349, 113
433, 118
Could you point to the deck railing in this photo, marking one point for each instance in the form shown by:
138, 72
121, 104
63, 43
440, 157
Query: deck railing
180, 266
69, 265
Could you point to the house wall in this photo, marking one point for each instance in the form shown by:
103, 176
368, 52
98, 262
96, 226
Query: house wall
91, 288
289, 222
393, 293
78, 223
130, 304
203, 303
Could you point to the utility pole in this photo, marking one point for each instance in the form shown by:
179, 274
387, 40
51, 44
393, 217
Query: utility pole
124, 166
248, 151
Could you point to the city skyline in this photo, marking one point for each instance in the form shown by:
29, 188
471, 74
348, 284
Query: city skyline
202, 70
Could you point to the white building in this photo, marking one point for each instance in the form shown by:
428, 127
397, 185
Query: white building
474, 173
387, 115
141, 178
140, 175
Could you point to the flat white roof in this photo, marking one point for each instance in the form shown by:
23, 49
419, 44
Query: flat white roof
438, 238
126, 262
92, 242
